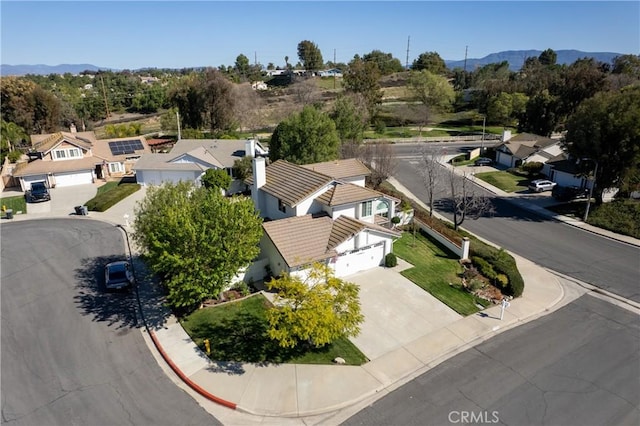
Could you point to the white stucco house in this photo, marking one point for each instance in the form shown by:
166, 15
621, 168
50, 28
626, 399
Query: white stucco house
320, 212
526, 147
189, 159
77, 158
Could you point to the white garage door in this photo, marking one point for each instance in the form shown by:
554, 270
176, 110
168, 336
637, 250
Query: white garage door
158, 177
28, 180
75, 178
360, 261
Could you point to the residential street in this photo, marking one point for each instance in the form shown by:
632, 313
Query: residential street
577, 366
600, 261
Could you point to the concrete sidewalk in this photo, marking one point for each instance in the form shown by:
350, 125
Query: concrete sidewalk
246, 393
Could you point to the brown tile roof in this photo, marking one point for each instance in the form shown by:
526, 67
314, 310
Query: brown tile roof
45, 143
224, 151
346, 193
154, 142
292, 183
305, 239
39, 167
101, 148
340, 169
301, 239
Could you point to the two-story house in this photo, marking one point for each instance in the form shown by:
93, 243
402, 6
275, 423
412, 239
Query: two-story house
526, 147
320, 212
77, 158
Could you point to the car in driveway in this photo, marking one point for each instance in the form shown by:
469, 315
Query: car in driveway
483, 161
118, 275
568, 193
38, 192
541, 185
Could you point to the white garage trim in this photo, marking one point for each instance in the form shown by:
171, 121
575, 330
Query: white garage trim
359, 260
73, 178
26, 181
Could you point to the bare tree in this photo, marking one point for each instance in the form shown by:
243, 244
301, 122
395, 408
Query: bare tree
465, 200
306, 91
431, 172
381, 160
247, 108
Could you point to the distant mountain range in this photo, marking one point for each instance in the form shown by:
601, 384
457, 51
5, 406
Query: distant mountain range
515, 58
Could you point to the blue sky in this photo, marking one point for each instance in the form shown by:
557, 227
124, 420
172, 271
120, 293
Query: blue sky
173, 34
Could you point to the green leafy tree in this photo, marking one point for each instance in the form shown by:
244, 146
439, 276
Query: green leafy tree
387, 64
548, 57
310, 55
606, 130
307, 137
243, 167
196, 240
216, 179
541, 116
242, 66
315, 310
506, 107
364, 78
580, 80
349, 119
430, 61
432, 91
169, 121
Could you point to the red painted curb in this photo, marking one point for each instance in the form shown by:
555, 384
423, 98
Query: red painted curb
188, 381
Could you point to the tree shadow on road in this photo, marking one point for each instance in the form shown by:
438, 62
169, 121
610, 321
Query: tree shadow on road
118, 309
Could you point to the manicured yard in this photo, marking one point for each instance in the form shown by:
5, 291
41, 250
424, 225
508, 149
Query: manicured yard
506, 181
238, 332
434, 268
16, 204
110, 194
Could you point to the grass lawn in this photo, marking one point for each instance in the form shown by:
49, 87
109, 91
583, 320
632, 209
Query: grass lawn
110, 194
16, 204
434, 268
238, 332
506, 181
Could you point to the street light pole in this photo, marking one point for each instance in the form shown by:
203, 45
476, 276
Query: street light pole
484, 120
593, 183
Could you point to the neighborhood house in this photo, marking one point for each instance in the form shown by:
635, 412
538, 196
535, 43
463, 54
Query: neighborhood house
77, 158
320, 212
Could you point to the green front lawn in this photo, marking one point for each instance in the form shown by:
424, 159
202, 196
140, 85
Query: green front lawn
110, 194
16, 204
238, 332
506, 181
433, 270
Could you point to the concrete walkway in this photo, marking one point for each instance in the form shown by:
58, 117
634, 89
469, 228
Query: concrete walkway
246, 393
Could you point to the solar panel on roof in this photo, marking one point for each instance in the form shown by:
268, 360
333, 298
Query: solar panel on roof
125, 147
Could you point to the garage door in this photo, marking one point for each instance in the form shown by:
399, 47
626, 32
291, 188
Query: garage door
360, 261
28, 180
75, 178
158, 177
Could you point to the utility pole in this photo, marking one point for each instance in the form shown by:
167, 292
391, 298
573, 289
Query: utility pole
334, 64
104, 93
178, 118
407, 60
465, 58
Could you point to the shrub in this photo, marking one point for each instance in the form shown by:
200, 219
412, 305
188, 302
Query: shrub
501, 263
533, 167
390, 260
242, 288
485, 268
395, 220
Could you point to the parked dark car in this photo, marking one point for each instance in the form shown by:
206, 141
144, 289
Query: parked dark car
568, 193
483, 161
38, 192
118, 275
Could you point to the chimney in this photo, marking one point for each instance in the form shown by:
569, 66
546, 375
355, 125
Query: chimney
506, 135
259, 179
73, 128
250, 148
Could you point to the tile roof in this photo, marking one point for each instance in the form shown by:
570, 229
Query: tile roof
531, 139
45, 143
340, 169
161, 162
224, 151
305, 239
292, 183
346, 193
38, 167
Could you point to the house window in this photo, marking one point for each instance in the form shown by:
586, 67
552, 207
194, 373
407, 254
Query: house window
60, 154
281, 206
115, 167
365, 209
65, 154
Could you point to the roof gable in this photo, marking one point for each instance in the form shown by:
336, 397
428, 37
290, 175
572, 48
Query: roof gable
347, 193
340, 169
49, 142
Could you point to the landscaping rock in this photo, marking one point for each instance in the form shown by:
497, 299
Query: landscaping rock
339, 360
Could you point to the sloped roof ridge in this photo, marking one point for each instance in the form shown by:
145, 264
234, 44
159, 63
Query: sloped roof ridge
49, 139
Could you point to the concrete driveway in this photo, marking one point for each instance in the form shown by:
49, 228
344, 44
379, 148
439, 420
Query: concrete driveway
396, 311
63, 200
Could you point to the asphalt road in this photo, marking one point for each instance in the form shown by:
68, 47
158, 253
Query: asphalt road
577, 366
600, 261
72, 354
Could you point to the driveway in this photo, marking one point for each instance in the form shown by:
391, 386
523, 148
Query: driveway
396, 311
63, 200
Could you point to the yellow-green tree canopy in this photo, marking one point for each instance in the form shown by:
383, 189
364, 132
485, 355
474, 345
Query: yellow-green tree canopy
317, 309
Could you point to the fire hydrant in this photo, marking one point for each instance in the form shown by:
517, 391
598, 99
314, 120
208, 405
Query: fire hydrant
207, 346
